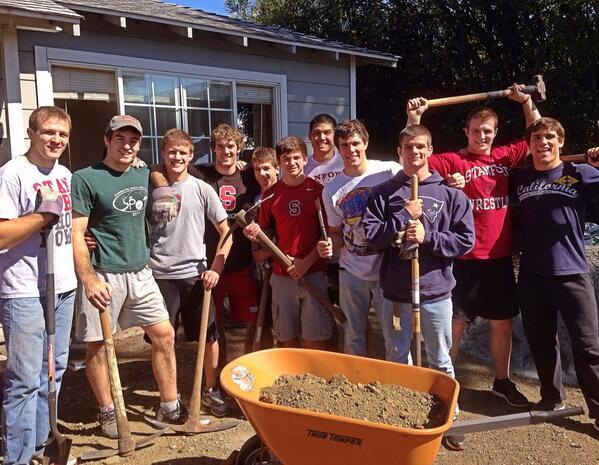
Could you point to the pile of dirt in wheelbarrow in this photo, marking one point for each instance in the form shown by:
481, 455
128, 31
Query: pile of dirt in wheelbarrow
377, 402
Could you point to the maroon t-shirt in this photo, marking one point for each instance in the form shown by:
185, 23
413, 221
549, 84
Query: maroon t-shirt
291, 212
487, 187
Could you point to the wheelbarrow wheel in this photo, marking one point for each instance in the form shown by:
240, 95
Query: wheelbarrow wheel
254, 452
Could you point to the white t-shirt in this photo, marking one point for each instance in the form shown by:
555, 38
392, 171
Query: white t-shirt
345, 199
23, 266
178, 250
323, 173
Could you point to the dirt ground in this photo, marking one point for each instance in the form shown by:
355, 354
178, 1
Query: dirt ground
377, 402
568, 441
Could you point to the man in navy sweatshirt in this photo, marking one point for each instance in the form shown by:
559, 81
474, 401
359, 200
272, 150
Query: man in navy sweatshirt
442, 225
554, 276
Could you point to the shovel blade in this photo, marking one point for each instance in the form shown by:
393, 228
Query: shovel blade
57, 451
191, 426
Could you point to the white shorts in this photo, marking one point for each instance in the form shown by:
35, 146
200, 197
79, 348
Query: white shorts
136, 301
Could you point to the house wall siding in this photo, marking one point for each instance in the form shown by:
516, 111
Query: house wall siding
316, 81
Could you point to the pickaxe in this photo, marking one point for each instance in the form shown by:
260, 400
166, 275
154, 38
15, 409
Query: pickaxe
195, 424
240, 221
126, 444
537, 91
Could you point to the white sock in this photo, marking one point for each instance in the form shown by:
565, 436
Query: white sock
169, 406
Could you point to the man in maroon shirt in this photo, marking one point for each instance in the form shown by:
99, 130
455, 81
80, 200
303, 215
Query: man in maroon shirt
485, 277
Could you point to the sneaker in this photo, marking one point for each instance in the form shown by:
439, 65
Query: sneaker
549, 406
174, 417
507, 390
212, 399
455, 442
108, 424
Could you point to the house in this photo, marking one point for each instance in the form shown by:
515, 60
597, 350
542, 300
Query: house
170, 66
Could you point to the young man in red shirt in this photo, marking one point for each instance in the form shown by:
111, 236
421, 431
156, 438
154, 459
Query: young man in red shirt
291, 212
485, 276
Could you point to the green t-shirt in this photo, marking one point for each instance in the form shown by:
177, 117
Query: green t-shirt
115, 203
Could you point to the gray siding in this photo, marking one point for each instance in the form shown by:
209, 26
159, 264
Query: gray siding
316, 81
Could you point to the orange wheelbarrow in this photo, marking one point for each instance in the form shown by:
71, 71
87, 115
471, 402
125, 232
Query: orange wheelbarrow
293, 436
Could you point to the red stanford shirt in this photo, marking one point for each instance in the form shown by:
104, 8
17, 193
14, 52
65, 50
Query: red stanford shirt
291, 212
487, 187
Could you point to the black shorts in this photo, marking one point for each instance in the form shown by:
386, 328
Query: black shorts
184, 297
484, 288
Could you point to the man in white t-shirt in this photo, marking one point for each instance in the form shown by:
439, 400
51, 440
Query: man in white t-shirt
325, 163
345, 199
25, 216
323, 166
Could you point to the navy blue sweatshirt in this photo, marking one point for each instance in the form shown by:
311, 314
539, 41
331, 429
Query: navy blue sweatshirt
449, 233
552, 207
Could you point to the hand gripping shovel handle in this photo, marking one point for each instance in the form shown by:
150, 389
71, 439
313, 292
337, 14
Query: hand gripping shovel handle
126, 443
416, 339
58, 452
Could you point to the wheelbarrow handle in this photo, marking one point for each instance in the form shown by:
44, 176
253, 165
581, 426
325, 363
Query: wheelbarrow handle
533, 417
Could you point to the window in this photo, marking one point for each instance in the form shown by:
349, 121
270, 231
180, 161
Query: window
163, 102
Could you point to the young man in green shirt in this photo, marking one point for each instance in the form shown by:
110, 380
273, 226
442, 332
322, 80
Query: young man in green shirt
110, 199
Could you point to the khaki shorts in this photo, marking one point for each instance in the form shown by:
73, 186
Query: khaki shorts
296, 313
136, 301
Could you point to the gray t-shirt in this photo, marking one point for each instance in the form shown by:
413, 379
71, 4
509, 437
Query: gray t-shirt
345, 199
23, 267
177, 249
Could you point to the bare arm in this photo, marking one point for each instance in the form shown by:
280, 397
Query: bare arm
15, 231
415, 109
211, 276
97, 291
531, 113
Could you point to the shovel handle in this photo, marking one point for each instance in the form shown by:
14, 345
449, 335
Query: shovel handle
510, 421
126, 443
262, 306
196, 394
415, 265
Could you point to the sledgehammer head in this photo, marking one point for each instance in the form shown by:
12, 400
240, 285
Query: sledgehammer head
537, 90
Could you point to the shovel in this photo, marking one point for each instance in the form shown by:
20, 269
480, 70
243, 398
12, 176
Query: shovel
195, 424
416, 331
57, 451
126, 444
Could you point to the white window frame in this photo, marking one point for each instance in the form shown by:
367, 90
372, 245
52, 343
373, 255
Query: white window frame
46, 57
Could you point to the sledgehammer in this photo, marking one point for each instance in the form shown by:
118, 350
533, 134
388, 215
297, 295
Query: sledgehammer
537, 91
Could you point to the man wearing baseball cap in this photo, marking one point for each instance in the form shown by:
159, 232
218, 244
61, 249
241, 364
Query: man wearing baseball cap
110, 199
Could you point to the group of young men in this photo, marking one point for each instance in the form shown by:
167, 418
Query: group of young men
138, 240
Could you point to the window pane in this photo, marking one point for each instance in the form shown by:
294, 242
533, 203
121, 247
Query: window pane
166, 118
218, 117
135, 89
201, 151
143, 115
197, 123
197, 92
145, 152
164, 90
220, 95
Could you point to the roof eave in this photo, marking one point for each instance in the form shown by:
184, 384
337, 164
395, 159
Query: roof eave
24, 13
365, 57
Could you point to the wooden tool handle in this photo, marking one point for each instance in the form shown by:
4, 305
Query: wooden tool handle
414, 187
196, 394
262, 307
323, 229
574, 158
126, 443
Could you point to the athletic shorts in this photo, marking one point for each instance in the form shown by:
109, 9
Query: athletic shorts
484, 288
241, 288
296, 313
136, 301
185, 297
